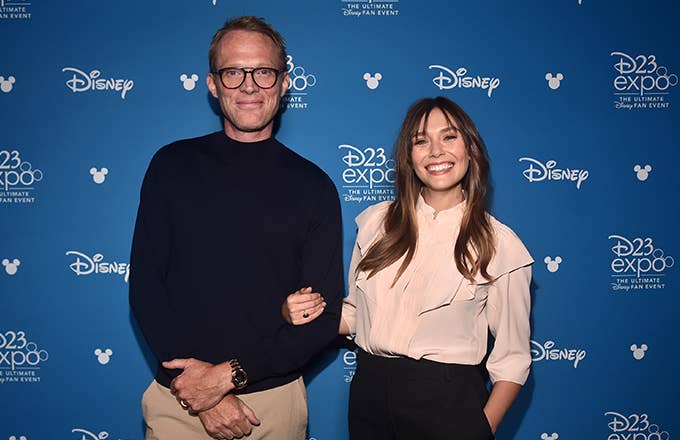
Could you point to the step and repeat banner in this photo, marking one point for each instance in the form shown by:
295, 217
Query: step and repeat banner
577, 100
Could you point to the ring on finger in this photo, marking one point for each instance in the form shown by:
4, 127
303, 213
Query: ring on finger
183, 403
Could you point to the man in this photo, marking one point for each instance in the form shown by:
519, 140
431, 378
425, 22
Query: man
228, 225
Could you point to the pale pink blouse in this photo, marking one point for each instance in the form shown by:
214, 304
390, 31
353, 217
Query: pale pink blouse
433, 312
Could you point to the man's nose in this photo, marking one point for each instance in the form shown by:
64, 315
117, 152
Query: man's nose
249, 85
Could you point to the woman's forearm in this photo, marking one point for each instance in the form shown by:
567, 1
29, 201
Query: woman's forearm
502, 395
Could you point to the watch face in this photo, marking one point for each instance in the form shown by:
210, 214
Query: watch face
240, 378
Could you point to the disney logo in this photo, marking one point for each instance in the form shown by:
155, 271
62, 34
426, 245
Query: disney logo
537, 172
547, 352
82, 82
448, 79
84, 265
87, 435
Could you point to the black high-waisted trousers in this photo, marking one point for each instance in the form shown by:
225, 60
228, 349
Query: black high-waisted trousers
403, 398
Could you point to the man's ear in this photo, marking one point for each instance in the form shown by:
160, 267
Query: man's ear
285, 83
210, 82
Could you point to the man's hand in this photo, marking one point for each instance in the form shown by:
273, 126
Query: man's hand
201, 385
230, 418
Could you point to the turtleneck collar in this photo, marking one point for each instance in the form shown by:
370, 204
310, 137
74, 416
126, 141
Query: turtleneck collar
223, 144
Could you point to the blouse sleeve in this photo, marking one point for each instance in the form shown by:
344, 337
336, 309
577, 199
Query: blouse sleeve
349, 308
369, 226
508, 308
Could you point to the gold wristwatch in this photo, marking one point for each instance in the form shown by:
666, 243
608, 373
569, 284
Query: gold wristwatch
238, 375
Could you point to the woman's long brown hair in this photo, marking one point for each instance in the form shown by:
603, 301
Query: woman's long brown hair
475, 245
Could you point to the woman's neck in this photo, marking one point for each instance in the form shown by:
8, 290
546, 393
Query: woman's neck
442, 200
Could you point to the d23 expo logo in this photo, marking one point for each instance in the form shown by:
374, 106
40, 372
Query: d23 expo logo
17, 178
349, 365
368, 175
20, 359
638, 265
15, 10
634, 427
641, 82
370, 8
298, 87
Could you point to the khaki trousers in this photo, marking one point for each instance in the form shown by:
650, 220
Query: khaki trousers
282, 411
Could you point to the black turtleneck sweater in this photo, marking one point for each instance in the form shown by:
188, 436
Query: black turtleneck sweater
225, 231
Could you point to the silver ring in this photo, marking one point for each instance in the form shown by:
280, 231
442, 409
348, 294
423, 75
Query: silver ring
305, 314
183, 403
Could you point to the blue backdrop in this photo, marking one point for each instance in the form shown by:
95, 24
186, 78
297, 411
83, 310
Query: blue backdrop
577, 101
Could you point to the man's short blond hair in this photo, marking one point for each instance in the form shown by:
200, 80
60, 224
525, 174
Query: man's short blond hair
252, 24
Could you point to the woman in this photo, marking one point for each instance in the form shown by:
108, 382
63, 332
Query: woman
431, 273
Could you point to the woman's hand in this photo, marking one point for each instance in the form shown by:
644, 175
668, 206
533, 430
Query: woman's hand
303, 306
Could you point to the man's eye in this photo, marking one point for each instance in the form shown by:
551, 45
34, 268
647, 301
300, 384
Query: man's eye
232, 72
264, 72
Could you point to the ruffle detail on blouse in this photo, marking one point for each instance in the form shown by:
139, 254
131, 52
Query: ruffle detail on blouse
511, 254
370, 224
370, 228
449, 285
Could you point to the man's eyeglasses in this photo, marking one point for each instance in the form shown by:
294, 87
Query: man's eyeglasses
233, 77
